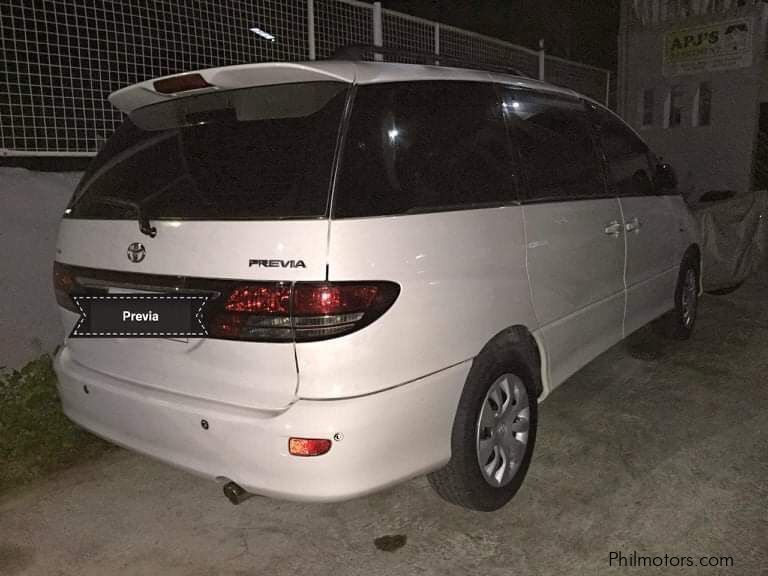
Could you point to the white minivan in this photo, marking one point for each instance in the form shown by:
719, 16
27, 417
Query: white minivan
402, 261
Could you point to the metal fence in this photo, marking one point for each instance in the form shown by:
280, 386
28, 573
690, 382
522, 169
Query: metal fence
61, 58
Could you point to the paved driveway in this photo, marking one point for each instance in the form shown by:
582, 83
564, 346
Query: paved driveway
650, 449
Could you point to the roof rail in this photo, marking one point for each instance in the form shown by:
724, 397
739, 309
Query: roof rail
369, 52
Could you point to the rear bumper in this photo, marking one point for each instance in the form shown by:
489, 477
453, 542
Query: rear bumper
388, 437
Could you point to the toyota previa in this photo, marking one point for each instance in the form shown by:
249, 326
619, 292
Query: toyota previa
401, 261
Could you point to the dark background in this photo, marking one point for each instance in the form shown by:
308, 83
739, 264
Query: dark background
582, 30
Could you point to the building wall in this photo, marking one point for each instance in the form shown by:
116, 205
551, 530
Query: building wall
31, 205
713, 157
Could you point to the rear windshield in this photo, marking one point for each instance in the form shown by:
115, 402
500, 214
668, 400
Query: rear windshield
256, 153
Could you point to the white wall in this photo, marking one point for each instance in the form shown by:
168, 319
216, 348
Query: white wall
31, 204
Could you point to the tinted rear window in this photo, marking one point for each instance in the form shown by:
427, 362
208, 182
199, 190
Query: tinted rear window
254, 153
423, 147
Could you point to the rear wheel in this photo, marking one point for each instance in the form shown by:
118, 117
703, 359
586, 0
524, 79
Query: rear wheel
493, 436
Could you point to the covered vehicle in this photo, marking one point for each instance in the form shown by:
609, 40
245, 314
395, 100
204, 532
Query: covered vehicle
733, 232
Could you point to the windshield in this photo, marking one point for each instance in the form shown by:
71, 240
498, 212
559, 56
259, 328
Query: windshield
255, 153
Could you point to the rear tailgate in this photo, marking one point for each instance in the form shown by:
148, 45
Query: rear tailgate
215, 185
256, 374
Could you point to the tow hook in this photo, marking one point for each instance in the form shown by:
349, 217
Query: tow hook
236, 493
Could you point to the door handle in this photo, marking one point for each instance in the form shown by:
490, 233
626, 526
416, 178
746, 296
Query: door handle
613, 228
633, 225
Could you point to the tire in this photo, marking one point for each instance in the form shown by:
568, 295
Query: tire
727, 290
679, 323
506, 380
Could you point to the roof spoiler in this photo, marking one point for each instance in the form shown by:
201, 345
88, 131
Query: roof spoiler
226, 78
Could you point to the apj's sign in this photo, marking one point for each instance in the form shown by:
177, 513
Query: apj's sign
719, 46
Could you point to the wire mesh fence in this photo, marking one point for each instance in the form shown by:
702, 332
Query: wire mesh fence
408, 33
60, 59
585, 79
341, 23
485, 50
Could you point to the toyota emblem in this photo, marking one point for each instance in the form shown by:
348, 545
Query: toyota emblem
136, 252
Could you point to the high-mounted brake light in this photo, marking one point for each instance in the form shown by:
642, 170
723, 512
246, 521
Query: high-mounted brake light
308, 446
181, 83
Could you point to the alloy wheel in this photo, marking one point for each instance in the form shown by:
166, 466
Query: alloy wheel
502, 430
689, 298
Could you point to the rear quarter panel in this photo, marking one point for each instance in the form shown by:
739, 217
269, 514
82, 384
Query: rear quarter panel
463, 279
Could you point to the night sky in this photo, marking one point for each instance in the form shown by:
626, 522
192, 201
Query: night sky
583, 30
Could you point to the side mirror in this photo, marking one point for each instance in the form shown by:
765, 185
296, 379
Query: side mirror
665, 178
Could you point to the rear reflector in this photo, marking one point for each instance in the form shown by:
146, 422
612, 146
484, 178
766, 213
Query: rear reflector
308, 446
180, 83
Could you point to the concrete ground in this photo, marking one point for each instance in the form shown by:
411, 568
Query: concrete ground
653, 448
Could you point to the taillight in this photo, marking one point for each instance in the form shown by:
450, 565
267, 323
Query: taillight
304, 311
324, 310
253, 312
260, 299
258, 311
63, 284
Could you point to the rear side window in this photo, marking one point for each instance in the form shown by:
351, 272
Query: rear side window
628, 160
424, 147
555, 143
255, 153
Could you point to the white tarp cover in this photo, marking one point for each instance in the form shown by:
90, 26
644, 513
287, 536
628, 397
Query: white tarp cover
733, 238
